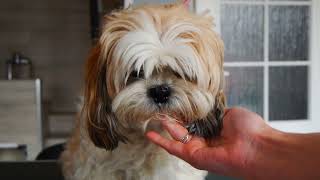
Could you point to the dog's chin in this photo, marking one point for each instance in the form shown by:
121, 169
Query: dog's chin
207, 127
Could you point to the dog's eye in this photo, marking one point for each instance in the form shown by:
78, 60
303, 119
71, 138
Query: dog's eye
179, 76
135, 74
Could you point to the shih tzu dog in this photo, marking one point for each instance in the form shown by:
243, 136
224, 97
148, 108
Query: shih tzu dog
149, 61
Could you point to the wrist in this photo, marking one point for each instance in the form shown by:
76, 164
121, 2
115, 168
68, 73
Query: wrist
268, 148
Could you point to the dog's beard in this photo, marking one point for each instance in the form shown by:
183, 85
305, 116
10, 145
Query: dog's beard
188, 105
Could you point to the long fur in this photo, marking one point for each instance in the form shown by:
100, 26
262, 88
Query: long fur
139, 49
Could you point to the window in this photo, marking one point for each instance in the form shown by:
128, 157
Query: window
272, 58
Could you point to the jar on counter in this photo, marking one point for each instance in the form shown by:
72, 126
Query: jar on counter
18, 68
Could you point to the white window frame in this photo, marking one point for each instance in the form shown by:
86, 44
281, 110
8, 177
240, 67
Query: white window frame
313, 122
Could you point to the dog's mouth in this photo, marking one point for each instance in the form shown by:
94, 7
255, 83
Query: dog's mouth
207, 127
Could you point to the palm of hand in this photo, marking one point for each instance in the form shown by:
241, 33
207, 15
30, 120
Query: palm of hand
234, 148
225, 154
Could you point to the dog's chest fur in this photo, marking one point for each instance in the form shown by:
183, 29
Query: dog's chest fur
138, 161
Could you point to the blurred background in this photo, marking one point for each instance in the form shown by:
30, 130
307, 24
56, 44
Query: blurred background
272, 64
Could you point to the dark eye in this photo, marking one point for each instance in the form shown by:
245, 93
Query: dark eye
135, 74
185, 76
177, 75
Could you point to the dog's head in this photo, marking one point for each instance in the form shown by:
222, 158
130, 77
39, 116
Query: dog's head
154, 60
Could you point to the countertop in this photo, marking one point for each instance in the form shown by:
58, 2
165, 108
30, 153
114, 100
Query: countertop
33, 170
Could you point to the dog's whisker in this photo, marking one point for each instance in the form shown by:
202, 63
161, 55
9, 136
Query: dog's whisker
145, 125
169, 117
159, 117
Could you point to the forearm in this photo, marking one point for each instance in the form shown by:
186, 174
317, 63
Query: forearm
281, 155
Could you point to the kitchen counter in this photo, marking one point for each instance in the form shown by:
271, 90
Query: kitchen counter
48, 170
35, 170
20, 114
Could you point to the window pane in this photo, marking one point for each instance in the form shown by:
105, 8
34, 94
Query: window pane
244, 87
288, 93
289, 32
242, 32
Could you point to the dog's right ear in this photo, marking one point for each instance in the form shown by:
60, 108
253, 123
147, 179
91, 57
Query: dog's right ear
102, 126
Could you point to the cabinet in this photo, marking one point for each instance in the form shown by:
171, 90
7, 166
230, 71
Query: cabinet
20, 114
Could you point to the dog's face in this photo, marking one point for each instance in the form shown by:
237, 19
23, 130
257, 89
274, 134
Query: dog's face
151, 61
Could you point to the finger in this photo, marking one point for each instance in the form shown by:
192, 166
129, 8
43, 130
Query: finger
175, 130
173, 147
187, 152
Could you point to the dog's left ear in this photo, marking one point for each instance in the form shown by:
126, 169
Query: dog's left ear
219, 107
102, 126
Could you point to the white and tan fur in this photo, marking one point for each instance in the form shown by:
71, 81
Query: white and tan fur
171, 46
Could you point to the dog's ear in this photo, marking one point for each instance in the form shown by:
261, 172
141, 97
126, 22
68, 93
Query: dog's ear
219, 107
101, 124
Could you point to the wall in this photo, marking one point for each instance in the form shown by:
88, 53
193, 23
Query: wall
55, 35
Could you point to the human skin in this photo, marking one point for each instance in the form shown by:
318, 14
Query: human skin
248, 148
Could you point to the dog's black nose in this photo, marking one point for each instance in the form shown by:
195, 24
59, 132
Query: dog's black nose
160, 94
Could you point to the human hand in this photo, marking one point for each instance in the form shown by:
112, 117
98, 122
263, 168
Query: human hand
231, 154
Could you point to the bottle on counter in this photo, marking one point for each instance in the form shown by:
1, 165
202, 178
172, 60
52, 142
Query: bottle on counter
18, 67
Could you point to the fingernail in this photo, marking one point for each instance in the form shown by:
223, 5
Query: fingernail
162, 117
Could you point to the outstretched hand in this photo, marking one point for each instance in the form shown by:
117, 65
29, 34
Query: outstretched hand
230, 154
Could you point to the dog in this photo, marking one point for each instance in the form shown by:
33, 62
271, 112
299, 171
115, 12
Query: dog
151, 60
